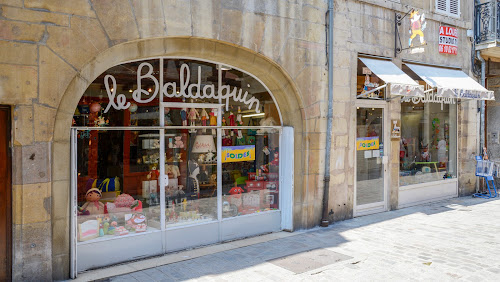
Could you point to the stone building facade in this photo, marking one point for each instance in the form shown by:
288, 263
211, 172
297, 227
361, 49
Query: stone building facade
50, 52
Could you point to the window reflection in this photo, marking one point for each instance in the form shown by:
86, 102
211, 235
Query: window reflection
428, 142
250, 172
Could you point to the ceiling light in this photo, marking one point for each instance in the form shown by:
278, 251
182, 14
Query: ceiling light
255, 115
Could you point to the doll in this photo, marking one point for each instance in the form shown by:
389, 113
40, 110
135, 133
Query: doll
231, 119
213, 117
192, 116
425, 156
204, 117
93, 206
192, 184
239, 121
184, 116
276, 160
168, 120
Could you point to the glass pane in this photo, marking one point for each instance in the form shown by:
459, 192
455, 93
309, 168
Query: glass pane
250, 171
190, 116
99, 105
117, 183
191, 165
369, 153
428, 142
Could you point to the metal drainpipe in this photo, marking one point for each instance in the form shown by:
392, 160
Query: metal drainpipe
326, 189
482, 103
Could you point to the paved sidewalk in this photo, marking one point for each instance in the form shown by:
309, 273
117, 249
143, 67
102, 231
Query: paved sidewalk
457, 239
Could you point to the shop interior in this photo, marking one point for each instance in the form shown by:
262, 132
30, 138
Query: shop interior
118, 157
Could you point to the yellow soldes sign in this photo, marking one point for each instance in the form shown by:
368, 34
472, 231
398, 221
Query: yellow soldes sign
231, 154
367, 143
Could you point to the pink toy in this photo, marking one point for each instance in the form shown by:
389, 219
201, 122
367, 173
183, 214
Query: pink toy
120, 231
178, 142
124, 201
192, 116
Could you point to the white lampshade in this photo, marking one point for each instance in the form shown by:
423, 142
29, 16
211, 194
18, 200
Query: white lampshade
203, 144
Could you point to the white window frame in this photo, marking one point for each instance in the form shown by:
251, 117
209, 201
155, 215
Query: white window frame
447, 12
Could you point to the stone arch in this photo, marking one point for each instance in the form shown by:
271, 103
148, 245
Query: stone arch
285, 92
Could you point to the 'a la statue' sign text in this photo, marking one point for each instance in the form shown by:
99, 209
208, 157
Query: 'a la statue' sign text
169, 89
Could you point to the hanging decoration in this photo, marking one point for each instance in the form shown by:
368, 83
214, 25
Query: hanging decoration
416, 28
95, 107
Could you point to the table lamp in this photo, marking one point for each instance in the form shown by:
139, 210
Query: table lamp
203, 144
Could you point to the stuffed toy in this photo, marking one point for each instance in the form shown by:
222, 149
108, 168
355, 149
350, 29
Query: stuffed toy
172, 169
210, 157
178, 142
124, 203
93, 206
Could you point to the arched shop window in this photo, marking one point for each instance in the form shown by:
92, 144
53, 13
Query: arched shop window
213, 130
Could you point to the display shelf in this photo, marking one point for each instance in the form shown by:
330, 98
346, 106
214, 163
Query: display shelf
171, 224
111, 237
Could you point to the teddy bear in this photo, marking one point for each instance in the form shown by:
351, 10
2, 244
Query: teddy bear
178, 142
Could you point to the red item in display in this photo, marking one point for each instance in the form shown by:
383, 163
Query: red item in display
236, 190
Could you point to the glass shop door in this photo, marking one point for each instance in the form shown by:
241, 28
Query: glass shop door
191, 148
371, 160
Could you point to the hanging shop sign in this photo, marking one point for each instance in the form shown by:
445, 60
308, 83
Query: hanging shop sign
417, 27
185, 89
430, 97
232, 154
367, 143
396, 129
448, 40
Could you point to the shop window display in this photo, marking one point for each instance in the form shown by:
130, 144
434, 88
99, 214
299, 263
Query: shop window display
114, 199
428, 140
119, 160
191, 166
250, 171
368, 84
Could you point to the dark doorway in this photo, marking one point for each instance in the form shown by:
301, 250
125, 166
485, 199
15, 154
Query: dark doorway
5, 195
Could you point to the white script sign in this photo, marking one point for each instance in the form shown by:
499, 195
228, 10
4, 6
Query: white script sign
169, 89
429, 98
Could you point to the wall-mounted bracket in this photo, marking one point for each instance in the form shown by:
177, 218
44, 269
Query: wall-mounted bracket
398, 19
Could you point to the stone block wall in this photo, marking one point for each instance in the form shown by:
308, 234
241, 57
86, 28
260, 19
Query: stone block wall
367, 27
50, 51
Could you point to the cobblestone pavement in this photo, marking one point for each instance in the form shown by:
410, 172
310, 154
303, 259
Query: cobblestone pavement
457, 239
